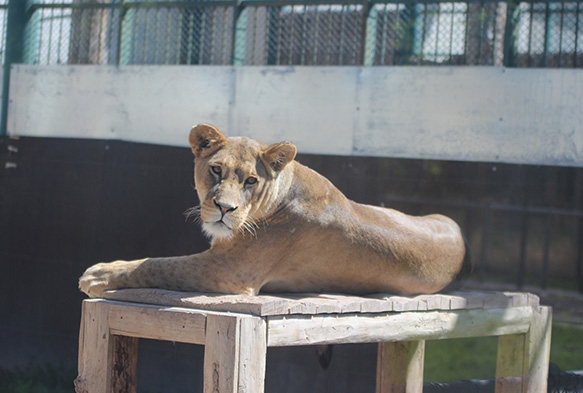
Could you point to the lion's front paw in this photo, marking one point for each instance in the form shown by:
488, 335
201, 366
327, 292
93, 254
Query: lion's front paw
101, 277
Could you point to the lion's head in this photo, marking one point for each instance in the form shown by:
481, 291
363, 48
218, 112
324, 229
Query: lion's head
239, 181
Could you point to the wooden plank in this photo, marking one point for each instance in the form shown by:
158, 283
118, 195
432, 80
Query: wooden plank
400, 367
498, 300
510, 363
221, 354
401, 303
523, 359
538, 348
472, 299
252, 353
406, 326
350, 304
95, 360
125, 364
311, 304
204, 301
158, 323
436, 302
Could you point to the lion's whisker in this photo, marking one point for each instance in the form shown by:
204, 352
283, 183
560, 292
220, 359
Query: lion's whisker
193, 212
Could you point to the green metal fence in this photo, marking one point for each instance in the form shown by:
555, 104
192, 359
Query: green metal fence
305, 32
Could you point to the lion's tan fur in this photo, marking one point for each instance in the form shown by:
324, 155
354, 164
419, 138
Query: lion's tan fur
277, 225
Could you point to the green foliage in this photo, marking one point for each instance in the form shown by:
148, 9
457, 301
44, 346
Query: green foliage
33, 378
475, 358
566, 346
460, 359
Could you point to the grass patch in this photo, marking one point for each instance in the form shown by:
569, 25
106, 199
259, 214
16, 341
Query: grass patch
33, 378
567, 347
475, 358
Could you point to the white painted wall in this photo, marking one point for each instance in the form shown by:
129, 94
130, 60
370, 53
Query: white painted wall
532, 116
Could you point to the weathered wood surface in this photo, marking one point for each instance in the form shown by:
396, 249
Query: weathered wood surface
95, 363
124, 377
400, 367
405, 326
157, 323
236, 343
313, 304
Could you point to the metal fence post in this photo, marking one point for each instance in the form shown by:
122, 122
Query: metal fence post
16, 23
369, 33
121, 15
510, 35
239, 34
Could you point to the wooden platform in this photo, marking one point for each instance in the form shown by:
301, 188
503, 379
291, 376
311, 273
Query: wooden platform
236, 331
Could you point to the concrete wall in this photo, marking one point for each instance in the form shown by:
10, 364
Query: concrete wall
487, 114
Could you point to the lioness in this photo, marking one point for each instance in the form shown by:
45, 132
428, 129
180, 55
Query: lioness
278, 226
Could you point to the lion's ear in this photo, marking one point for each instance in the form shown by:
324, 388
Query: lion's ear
278, 155
205, 139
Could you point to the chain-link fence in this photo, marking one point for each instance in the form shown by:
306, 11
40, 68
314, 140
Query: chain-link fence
548, 34
438, 33
301, 32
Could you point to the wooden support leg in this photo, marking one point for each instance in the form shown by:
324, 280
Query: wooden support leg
253, 351
125, 364
400, 367
510, 363
95, 350
107, 363
234, 357
523, 359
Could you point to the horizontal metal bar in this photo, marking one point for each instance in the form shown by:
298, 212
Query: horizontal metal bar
250, 3
282, 3
181, 4
131, 5
35, 6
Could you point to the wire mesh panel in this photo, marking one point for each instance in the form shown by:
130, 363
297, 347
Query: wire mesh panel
94, 36
72, 32
438, 33
300, 32
114, 32
177, 35
47, 35
304, 35
549, 34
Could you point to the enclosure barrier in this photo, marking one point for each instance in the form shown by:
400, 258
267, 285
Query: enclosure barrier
305, 32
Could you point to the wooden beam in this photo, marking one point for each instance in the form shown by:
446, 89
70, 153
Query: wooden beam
538, 349
95, 361
252, 353
221, 354
522, 362
510, 363
400, 367
125, 364
157, 323
405, 326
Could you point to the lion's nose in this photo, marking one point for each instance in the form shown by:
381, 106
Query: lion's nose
224, 207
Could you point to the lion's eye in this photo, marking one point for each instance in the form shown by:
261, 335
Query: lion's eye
250, 181
216, 169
